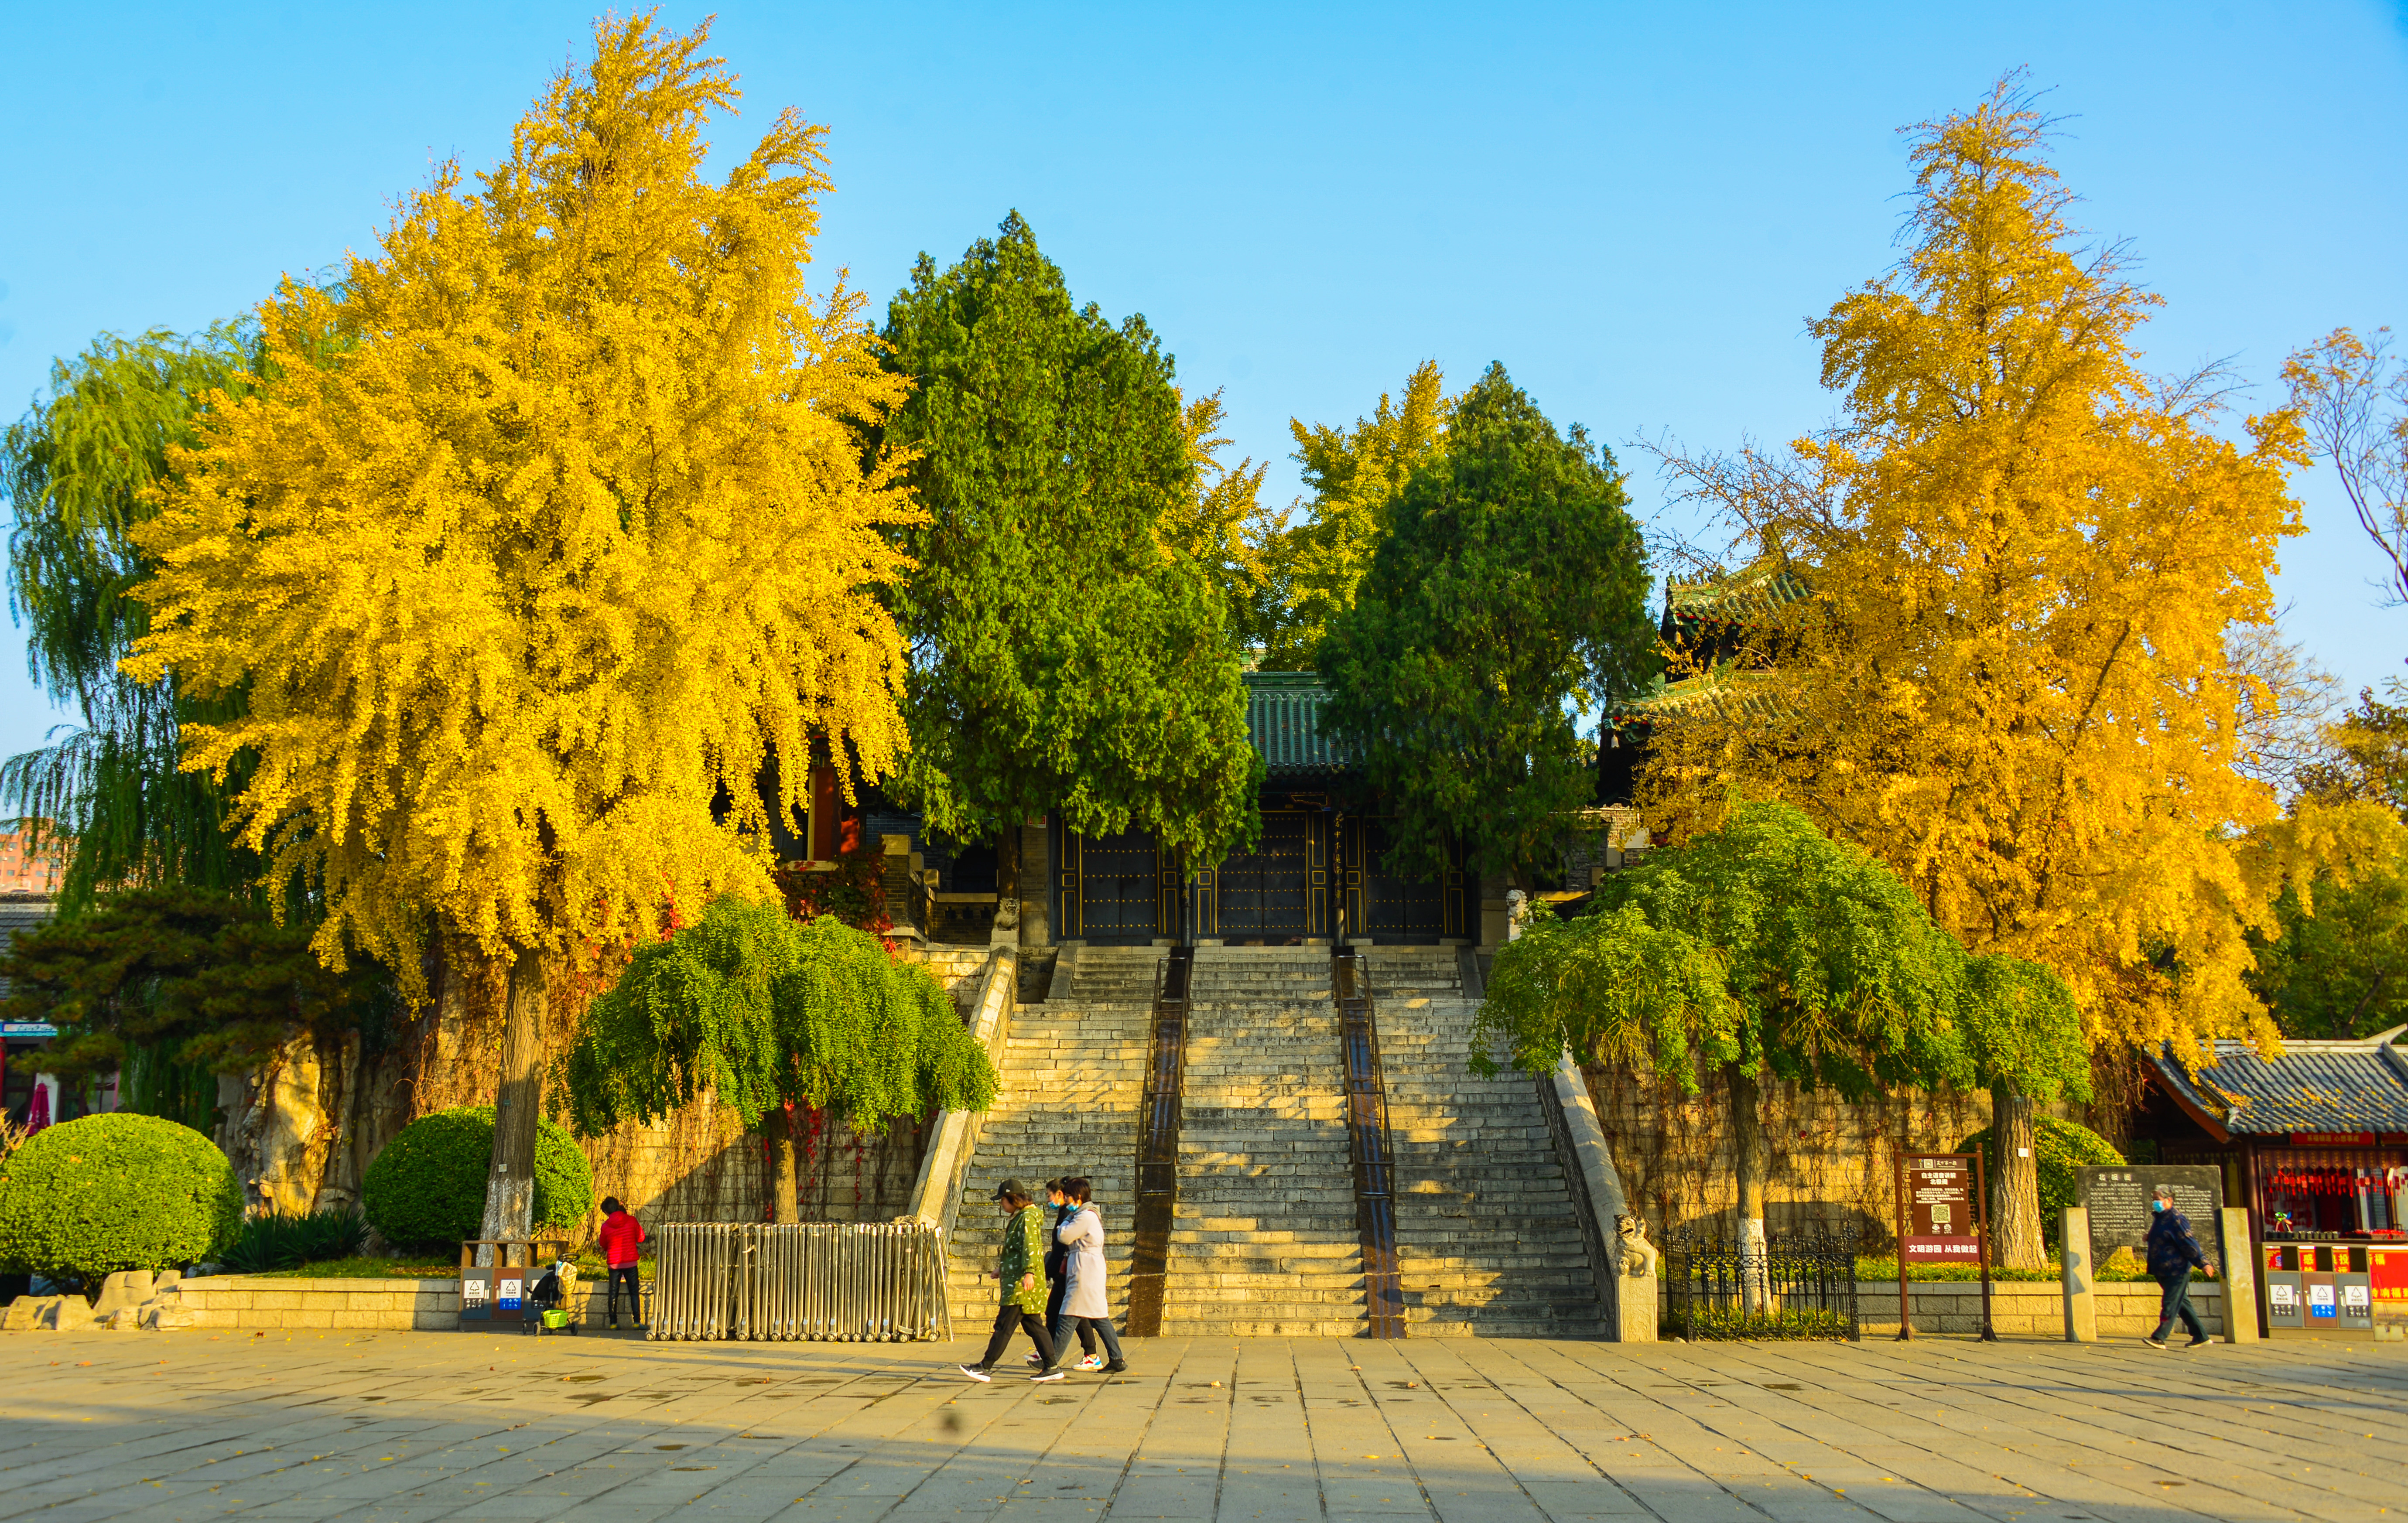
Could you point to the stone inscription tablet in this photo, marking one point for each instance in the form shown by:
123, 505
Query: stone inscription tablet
2117, 1200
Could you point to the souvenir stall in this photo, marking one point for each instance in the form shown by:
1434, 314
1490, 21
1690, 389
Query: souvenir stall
2315, 1143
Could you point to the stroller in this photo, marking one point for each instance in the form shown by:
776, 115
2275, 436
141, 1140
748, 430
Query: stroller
554, 1300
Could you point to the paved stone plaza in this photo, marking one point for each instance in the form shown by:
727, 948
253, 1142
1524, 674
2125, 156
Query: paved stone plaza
429, 1425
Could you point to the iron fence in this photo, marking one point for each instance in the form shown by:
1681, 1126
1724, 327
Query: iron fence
1795, 1285
813, 1281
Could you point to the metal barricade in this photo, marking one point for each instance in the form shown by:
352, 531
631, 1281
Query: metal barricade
819, 1281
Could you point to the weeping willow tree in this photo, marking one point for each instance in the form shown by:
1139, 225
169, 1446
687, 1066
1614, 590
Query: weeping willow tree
765, 1016
81, 470
1769, 951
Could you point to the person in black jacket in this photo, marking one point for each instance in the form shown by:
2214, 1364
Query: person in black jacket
2172, 1252
1057, 1265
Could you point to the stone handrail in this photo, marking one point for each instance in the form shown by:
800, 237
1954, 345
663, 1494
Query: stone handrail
1619, 1254
937, 1194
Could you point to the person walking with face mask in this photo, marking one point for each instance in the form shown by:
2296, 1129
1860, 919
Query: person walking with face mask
2172, 1252
1085, 1306
1019, 1273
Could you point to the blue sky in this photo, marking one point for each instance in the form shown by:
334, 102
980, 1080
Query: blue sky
1635, 207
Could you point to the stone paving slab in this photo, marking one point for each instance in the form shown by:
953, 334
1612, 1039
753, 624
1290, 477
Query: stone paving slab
420, 1427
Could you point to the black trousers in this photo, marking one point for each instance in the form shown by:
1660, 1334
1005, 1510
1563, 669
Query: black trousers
1010, 1319
625, 1274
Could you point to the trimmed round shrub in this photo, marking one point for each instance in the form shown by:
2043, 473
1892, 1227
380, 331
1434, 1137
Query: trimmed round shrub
88, 1198
2059, 1149
425, 1191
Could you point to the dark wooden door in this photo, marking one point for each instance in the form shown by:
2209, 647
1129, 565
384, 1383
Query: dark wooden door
1118, 900
1262, 893
1398, 907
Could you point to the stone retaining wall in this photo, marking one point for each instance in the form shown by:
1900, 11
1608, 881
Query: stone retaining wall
260, 1301
2026, 1308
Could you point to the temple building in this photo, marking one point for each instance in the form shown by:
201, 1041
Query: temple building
1725, 635
1321, 872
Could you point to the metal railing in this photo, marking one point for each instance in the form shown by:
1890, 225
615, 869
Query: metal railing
1156, 1205
1795, 1285
813, 1281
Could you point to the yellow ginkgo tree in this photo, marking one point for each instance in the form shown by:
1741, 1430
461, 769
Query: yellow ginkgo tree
544, 534
2013, 679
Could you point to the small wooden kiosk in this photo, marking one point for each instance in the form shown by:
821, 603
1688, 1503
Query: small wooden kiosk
2314, 1143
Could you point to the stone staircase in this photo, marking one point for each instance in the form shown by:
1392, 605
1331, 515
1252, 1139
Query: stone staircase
1264, 1241
1072, 1078
1112, 975
1486, 1240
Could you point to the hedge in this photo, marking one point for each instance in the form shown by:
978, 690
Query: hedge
87, 1198
425, 1191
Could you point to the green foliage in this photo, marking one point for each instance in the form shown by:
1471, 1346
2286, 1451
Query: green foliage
2059, 1149
87, 1198
759, 1012
1506, 599
425, 1190
156, 981
2367, 757
1828, 971
1353, 475
1711, 1325
2023, 1028
2342, 972
80, 472
1063, 659
1870, 1271
274, 1242
1768, 945
361, 1267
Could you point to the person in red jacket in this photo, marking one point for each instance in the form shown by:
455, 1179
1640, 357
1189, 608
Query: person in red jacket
619, 1237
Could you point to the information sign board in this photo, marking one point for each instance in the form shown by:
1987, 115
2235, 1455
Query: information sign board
2117, 1200
1941, 1220
1941, 1224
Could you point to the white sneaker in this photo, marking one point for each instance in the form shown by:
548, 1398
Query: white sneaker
1045, 1376
1092, 1362
975, 1373
1034, 1359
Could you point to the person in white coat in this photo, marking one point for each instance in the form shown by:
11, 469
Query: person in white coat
1084, 1303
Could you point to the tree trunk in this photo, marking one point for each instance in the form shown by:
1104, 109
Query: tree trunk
2018, 1242
510, 1185
1752, 1161
781, 1149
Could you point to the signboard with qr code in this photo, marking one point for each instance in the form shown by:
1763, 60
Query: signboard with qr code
1943, 1226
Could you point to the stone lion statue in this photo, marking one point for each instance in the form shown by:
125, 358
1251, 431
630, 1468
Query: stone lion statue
1638, 1254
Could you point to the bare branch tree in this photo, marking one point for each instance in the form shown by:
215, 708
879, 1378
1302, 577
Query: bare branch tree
2355, 399
2287, 703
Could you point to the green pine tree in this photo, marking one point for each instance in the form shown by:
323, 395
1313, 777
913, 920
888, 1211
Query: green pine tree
1506, 599
1063, 658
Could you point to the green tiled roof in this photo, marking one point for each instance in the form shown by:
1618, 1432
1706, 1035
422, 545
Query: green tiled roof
1725, 689
1283, 715
1745, 594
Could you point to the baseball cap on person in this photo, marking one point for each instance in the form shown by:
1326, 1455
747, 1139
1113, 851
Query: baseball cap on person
1014, 1189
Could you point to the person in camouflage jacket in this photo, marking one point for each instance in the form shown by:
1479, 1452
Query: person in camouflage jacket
1020, 1272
